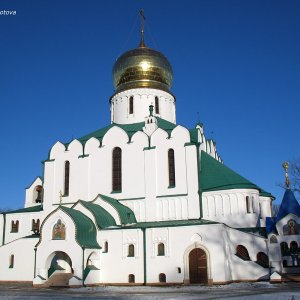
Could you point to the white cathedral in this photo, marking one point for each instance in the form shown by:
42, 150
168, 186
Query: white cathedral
145, 201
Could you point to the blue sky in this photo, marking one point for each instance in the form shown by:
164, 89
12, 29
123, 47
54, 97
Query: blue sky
236, 68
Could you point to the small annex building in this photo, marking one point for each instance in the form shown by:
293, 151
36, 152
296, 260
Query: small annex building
145, 200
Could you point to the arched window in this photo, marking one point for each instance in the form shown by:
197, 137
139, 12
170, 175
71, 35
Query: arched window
131, 105
242, 252
35, 226
11, 261
262, 259
131, 278
273, 239
14, 226
38, 194
284, 263
156, 105
130, 250
171, 162
105, 247
59, 231
162, 277
284, 248
67, 178
294, 247
160, 249
117, 170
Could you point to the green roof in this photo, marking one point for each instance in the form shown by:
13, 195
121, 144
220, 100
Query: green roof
86, 233
35, 208
216, 176
171, 223
131, 129
102, 217
125, 213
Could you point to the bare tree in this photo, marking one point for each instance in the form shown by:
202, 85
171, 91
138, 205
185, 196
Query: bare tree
294, 170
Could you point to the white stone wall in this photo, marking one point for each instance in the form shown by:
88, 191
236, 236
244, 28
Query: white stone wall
229, 207
25, 224
142, 99
144, 173
23, 251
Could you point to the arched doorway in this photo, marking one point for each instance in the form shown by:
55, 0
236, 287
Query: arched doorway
198, 266
59, 261
59, 269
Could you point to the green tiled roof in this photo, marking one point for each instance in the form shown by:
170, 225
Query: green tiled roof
165, 125
86, 233
35, 208
171, 223
216, 176
125, 213
102, 217
131, 129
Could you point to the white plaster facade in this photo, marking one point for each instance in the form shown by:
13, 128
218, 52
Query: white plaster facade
99, 226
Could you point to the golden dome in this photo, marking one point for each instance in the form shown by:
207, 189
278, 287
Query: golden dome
142, 67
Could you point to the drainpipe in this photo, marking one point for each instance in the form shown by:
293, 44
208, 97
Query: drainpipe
145, 256
199, 186
83, 266
4, 225
34, 268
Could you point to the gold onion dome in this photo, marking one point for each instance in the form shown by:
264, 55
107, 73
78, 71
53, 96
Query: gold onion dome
142, 67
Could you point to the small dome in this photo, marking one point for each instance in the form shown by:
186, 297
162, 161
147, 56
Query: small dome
142, 67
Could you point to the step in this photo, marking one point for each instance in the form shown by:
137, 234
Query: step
59, 280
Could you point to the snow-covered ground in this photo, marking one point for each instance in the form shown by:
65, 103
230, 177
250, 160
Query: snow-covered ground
234, 291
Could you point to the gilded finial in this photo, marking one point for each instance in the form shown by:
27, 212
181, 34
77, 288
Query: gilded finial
285, 165
60, 197
142, 42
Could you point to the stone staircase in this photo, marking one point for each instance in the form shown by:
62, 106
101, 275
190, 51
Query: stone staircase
59, 280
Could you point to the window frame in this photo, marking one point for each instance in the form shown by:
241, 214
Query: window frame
67, 178
171, 168
117, 170
131, 105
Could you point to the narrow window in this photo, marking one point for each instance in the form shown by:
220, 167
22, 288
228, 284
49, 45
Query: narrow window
160, 249
294, 247
11, 261
248, 204
67, 178
171, 162
162, 277
39, 194
262, 259
131, 278
14, 226
131, 250
131, 105
253, 204
242, 252
156, 106
117, 170
35, 226
105, 247
284, 249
